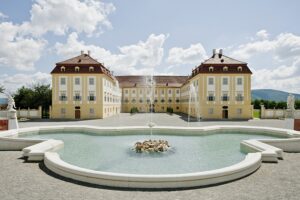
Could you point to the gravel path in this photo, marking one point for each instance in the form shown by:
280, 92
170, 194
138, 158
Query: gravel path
32, 181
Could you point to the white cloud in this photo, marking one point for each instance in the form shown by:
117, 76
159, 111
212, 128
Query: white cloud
192, 55
284, 46
140, 58
262, 34
18, 51
60, 16
21, 45
2, 16
12, 83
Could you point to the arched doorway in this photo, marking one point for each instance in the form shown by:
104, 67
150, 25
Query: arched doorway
225, 112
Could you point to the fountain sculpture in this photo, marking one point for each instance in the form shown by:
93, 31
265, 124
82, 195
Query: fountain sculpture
151, 145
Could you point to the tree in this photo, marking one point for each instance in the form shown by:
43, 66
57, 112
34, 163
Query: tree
33, 97
297, 104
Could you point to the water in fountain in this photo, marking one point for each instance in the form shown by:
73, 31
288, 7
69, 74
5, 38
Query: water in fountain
193, 98
150, 83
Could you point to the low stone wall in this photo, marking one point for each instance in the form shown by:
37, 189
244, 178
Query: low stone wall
276, 113
30, 113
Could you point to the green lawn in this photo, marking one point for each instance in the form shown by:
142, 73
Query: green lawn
256, 114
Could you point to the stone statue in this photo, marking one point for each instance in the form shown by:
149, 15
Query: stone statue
11, 102
291, 102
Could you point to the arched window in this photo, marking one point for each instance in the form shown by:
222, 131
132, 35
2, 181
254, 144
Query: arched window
77, 69
62, 69
225, 69
240, 69
91, 69
211, 69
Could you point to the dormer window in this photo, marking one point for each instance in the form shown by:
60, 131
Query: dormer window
211, 69
91, 69
225, 69
77, 69
62, 69
240, 69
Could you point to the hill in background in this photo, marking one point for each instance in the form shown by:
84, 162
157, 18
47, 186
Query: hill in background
272, 95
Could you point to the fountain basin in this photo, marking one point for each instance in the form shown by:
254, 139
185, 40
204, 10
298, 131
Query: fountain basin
244, 165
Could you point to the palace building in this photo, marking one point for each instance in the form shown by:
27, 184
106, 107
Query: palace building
219, 88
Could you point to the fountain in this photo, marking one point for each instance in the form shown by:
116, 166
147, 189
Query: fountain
193, 97
151, 145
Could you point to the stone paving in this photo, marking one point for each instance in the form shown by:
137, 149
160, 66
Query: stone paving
33, 181
23, 180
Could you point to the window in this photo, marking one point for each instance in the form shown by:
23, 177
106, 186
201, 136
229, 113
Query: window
141, 91
240, 69
210, 81
239, 111
77, 96
77, 81
91, 69
225, 81
155, 100
239, 97
177, 108
225, 69
63, 96
239, 81
211, 69
148, 100
210, 111
91, 81
163, 92
62, 69
63, 111
177, 100
126, 91
63, 81
211, 97
92, 111
177, 91
92, 97
133, 100
133, 91
170, 91
141, 100
225, 97
77, 69
126, 100
162, 100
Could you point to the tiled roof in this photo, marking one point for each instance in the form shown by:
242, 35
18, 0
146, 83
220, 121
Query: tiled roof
140, 81
84, 62
222, 59
83, 59
221, 64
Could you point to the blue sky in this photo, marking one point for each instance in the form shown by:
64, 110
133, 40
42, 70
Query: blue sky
144, 37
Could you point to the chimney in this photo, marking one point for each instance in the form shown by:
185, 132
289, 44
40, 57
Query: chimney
81, 52
89, 52
214, 52
221, 52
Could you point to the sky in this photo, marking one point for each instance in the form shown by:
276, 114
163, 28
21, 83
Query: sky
138, 37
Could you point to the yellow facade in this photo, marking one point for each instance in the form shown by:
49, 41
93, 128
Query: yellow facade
106, 101
237, 104
219, 88
140, 97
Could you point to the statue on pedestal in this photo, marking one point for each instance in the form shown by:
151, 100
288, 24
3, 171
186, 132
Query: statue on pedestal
290, 106
11, 102
291, 102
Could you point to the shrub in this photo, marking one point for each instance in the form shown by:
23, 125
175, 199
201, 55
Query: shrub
134, 110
